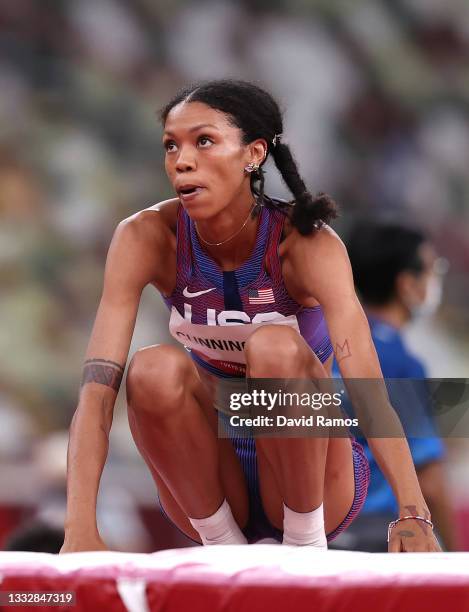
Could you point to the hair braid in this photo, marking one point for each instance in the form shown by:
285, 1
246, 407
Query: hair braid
257, 187
308, 212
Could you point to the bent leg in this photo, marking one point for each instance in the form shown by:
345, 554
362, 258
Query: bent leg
174, 426
300, 472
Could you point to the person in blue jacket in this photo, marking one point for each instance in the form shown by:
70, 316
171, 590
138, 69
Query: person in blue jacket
398, 278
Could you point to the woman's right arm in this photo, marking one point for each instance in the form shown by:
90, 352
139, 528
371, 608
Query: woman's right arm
132, 263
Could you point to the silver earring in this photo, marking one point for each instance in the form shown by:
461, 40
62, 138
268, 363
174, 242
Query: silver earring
251, 167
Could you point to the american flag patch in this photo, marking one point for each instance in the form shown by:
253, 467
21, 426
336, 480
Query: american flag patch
261, 296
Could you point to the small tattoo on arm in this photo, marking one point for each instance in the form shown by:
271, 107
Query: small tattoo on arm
423, 526
104, 372
406, 534
342, 351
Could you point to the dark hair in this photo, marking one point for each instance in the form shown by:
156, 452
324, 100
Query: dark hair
258, 115
36, 536
379, 252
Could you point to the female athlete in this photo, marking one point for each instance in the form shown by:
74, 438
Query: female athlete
256, 287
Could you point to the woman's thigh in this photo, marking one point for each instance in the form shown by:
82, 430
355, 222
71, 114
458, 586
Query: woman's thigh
339, 482
230, 470
339, 485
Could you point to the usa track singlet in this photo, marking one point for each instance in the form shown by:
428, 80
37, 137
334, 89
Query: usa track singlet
213, 312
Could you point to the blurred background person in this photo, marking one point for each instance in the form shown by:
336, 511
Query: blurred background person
399, 277
35, 536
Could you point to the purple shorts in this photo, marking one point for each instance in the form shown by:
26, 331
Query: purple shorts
258, 526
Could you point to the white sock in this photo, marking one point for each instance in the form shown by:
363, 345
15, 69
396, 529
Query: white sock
220, 528
304, 528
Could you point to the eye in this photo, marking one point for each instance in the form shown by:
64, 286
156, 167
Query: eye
170, 146
205, 141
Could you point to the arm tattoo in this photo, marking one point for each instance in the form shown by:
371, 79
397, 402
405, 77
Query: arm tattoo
406, 534
423, 526
104, 372
342, 352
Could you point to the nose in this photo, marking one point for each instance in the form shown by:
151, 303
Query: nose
185, 161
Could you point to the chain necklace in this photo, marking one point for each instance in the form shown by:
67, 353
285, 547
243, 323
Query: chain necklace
231, 237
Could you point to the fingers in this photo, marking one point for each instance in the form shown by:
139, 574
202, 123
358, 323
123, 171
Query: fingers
435, 547
395, 544
416, 544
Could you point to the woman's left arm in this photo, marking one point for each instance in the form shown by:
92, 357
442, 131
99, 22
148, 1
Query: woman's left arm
317, 269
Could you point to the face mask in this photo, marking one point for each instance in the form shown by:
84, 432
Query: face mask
432, 299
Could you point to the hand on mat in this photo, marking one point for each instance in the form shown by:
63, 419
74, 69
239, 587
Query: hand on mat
75, 542
413, 536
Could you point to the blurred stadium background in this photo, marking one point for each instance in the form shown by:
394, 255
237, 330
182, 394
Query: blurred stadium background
376, 96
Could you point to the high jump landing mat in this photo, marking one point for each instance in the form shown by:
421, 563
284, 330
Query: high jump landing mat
243, 578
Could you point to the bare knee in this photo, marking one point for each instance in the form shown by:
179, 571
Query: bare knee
275, 350
156, 379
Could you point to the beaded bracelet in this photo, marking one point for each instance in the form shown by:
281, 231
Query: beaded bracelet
403, 518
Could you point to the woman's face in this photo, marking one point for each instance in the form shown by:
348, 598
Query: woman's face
205, 158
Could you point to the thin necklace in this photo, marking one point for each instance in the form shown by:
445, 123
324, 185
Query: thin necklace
231, 237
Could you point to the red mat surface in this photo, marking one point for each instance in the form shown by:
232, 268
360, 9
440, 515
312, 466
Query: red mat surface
244, 578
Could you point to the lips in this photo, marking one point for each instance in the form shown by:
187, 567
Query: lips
187, 188
189, 191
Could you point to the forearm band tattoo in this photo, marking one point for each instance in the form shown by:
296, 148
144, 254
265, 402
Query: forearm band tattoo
104, 372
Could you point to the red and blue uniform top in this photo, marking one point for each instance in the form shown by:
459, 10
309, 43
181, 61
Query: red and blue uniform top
213, 311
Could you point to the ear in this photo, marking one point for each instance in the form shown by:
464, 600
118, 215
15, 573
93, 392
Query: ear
257, 151
405, 285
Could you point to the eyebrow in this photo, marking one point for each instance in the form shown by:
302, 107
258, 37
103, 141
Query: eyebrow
195, 128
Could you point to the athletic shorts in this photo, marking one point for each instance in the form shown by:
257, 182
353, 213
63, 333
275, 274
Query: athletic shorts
258, 526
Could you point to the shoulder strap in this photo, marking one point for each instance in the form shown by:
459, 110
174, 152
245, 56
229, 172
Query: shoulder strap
272, 260
183, 246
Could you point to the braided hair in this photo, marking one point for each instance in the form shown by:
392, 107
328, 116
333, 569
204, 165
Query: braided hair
257, 115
